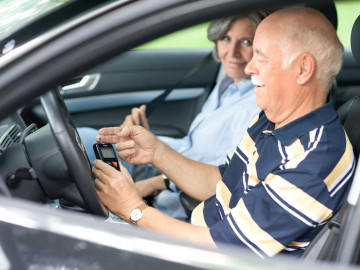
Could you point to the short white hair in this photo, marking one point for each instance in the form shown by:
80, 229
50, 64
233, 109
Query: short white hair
315, 41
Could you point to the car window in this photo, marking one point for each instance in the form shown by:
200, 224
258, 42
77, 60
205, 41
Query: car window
16, 13
192, 37
347, 12
195, 37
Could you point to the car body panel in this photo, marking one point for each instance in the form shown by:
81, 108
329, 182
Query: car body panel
47, 237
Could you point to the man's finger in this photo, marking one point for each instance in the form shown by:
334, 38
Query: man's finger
107, 138
98, 184
125, 171
124, 132
125, 145
109, 130
101, 167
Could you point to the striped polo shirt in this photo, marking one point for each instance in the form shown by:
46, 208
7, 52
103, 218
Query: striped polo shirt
279, 187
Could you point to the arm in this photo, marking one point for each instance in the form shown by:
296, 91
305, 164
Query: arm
139, 146
116, 190
151, 186
196, 179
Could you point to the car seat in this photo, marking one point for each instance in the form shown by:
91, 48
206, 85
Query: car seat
327, 245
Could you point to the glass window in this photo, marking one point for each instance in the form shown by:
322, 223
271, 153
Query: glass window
347, 13
15, 13
192, 37
196, 37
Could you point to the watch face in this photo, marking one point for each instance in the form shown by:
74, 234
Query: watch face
136, 214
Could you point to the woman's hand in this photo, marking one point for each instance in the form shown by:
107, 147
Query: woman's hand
137, 117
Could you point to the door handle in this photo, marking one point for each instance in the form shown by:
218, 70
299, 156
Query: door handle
85, 83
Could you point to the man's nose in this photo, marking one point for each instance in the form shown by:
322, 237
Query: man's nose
250, 69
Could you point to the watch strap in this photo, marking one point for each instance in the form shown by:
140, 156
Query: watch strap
167, 182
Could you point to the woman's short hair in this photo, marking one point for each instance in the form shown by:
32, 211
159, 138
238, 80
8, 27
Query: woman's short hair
218, 28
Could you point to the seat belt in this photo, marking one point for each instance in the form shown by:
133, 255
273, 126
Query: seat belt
153, 104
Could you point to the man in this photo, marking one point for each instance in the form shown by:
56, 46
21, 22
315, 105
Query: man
289, 174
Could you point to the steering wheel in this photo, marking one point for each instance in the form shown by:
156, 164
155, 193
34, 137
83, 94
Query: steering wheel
73, 152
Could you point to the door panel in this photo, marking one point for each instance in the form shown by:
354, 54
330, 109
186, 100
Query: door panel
107, 94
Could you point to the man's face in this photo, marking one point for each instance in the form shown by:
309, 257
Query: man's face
235, 49
275, 89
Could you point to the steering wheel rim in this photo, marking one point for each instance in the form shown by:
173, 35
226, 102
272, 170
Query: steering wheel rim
72, 150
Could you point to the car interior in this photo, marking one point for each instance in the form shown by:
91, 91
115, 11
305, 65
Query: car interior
348, 113
103, 95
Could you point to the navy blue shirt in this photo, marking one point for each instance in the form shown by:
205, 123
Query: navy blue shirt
279, 187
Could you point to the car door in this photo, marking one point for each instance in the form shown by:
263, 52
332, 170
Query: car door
104, 95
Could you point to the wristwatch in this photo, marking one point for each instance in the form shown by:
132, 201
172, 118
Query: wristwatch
137, 213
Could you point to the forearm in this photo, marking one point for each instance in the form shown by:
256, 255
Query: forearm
151, 186
195, 178
157, 221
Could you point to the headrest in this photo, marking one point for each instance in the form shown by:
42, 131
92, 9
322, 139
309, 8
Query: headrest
326, 7
355, 40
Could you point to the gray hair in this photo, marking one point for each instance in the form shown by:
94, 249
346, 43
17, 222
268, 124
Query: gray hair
218, 28
314, 40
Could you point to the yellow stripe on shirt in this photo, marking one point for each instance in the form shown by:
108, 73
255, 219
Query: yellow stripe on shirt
298, 199
253, 232
346, 160
223, 195
197, 216
295, 154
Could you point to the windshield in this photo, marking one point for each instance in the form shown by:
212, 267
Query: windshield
15, 13
23, 20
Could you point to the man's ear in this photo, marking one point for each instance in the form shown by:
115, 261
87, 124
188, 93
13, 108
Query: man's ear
306, 68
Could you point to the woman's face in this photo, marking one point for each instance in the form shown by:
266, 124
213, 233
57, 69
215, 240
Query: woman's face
235, 49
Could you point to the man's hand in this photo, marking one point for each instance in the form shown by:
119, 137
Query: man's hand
135, 144
108, 135
137, 117
116, 189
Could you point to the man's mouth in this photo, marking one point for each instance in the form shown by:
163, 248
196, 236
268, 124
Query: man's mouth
256, 81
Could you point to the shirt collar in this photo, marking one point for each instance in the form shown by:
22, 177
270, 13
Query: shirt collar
242, 87
290, 132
